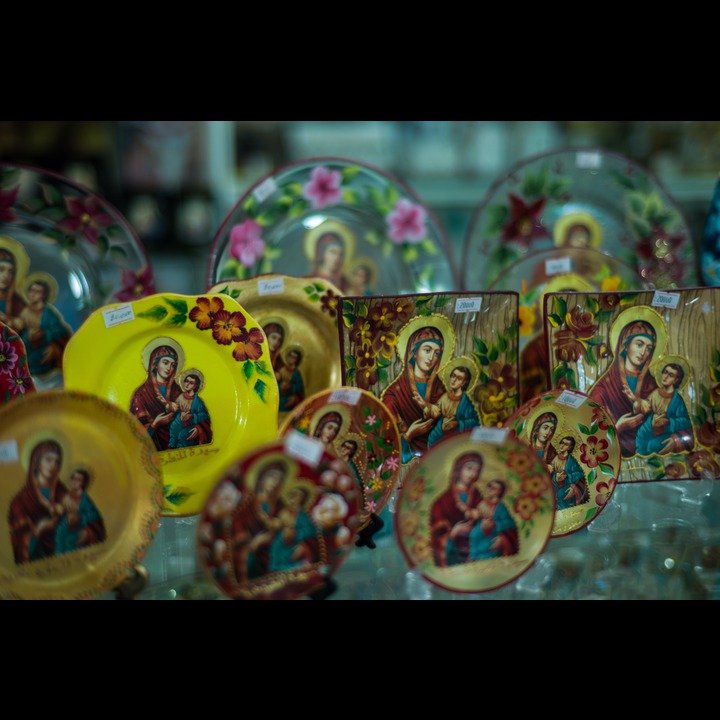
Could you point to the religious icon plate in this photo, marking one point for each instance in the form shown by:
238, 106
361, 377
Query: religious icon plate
337, 219
580, 197
299, 318
442, 362
652, 360
280, 521
196, 372
81, 496
476, 512
69, 251
356, 426
576, 440
710, 241
15, 377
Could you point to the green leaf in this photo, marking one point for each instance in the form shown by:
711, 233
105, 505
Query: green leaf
607, 469
584, 429
118, 253
176, 320
560, 306
157, 313
178, 305
260, 389
262, 368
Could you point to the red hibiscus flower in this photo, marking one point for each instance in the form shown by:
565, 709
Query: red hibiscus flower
228, 327
249, 346
204, 312
524, 224
136, 286
86, 218
594, 451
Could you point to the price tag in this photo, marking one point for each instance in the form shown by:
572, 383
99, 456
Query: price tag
570, 398
349, 396
589, 160
271, 286
264, 189
558, 265
463, 305
304, 447
493, 435
664, 299
118, 315
8, 451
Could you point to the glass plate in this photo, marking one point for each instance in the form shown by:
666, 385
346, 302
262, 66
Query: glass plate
710, 241
476, 512
580, 197
336, 219
15, 377
354, 425
214, 358
280, 521
105, 496
71, 252
299, 318
577, 441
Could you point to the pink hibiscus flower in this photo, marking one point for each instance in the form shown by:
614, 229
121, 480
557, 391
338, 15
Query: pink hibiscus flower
86, 218
246, 245
407, 222
323, 188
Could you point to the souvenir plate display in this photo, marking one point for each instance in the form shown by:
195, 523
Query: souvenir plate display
710, 241
354, 425
81, 496
652, 360
194, 370
441, 363
555, 269
279, 521
580, 197
476, 512
299, 318
337, 219
15, 378
576, 440
64, 251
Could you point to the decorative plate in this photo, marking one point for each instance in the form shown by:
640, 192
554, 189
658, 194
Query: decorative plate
476, 512
576, 440
194, 370
551, 269
663, 348
279, 521
64, 251
468, 369
356, 426
580, 197
710, 241
81, 494
336, 219
299, 318
15, 378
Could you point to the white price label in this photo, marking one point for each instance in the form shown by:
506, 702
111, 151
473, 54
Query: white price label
349, 396
264, 189
570, 398
118, 315
304, 447
589, 160
664, 299
463, 305
271, 286
8, 451
558, 265
493, 435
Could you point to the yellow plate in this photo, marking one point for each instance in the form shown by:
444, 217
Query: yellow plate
299, 316
65, 546
210, 337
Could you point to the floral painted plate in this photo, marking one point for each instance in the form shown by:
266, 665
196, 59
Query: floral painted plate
196, 372
280, 521
476, 512
576, 440
354, 425
652, 360
580, 197
15, 378
337, 219
64, 251
710, 241
551, 269
81, 494
299, 318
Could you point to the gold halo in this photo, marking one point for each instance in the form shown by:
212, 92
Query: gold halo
45, 277
294, 346
277, 321
359, 457
434, 320
308, 485
367, 262
157, 342
340, 408
41, 436
312, 236
22, 259
643, 312
192, 371
257, 468
657, 365
568, 282
465, 361
557, 412
577, 218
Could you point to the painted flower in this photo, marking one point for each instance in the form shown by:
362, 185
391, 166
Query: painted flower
703, 464
382, 316
520, 462
384, 343
406, 222
611, 282
21, 382
228, 327
392, 463
526, 506
603, 491
581, 322
135, 286
715, 395
567, 346
675, 470
246, 245
366, 374
534, 485
526, 316
329, 303
8, 357
203, 314
330, 510
361, 332
490, 399
524, 224
409, 523
404, 308
421, 549
85, 218
708, 434
7, 200
323, 188
249, 345
503, 374
600, 417
594, 451
609, 301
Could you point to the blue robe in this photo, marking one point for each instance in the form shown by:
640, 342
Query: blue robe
647, 443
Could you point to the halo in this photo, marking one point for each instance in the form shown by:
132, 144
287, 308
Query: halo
541, 410
22, 259
257, 468
41, 436
277, 321
294, 346
157, 342
192, 371
568, 282
434, 320
367, 262
564, 223
564, 431
657, 366
44, 277
642, 312
465, 361
360, 455
308, 485
312, 237
340, 408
